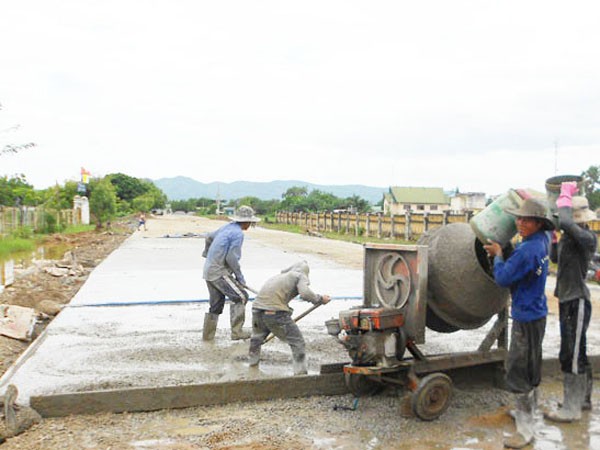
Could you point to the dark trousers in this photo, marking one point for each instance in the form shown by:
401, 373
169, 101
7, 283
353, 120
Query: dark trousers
223, 287
281, 324
574, 317
524, 361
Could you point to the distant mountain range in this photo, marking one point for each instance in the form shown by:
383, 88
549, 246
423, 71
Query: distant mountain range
183, 188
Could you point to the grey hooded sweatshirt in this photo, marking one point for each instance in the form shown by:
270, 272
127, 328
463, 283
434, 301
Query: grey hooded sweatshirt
277, 291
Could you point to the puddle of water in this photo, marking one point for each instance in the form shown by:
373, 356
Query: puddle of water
364, 441
152, 444
183, 426
196, 431
53, 251
23, 260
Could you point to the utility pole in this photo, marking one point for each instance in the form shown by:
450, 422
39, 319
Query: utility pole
218, 200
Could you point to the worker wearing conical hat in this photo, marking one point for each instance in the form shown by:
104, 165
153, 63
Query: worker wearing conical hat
525, 272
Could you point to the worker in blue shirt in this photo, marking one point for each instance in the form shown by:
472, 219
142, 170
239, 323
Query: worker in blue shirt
223, 274
525, 272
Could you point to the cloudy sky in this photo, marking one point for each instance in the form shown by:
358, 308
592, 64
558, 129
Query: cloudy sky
479, 95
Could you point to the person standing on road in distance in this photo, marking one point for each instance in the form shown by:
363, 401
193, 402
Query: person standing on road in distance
272, 314
223, 274
525, 272
573, 253
142, 221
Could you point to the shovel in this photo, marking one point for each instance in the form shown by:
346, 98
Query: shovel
300, 316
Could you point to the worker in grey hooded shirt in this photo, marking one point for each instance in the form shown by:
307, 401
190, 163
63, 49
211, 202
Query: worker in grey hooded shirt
272, 314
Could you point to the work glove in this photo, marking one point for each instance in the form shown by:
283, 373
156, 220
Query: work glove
493, 249
325, 299
567, 190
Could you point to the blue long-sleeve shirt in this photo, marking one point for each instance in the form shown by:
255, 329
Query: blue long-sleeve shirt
525, 272
223, 253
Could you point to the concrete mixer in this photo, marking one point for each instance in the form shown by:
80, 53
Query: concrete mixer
443, 283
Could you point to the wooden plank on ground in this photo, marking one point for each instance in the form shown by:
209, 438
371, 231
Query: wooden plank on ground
169, 397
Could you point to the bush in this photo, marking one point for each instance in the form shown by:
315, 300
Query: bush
50, 224
22, 233
12, 245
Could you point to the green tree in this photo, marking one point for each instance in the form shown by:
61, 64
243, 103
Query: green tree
16, 191
181, 205
254, 202
294, 199
591, 183
270, 206
296, 191
143, 203
103, 201
159, 199
322, 201
127, 187
358, 203
136, 194
60, 197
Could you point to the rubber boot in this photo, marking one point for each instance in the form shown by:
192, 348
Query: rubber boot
589, 387
536, 396
299, 364
574, 386
210, 326
254, 358
237, 315
523, 413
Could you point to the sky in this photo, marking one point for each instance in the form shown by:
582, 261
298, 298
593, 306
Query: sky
483, 96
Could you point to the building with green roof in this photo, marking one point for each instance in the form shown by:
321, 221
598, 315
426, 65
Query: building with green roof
399, 200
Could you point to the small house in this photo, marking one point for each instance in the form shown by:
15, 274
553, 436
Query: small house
462, 202
399, 200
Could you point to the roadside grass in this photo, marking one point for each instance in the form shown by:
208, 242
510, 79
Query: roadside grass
75, 229
11, 245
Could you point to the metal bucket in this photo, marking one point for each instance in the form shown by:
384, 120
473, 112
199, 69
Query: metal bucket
553, 191
333, 327
494, 223
461, 292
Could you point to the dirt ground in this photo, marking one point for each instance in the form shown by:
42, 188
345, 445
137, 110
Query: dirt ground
36, 288
476, 417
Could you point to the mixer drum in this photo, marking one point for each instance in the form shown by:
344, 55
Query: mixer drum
462, 293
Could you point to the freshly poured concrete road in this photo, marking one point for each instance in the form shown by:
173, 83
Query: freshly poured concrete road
91, 346
153, 339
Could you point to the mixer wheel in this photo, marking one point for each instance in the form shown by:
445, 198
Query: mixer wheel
432, 396
361, 385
